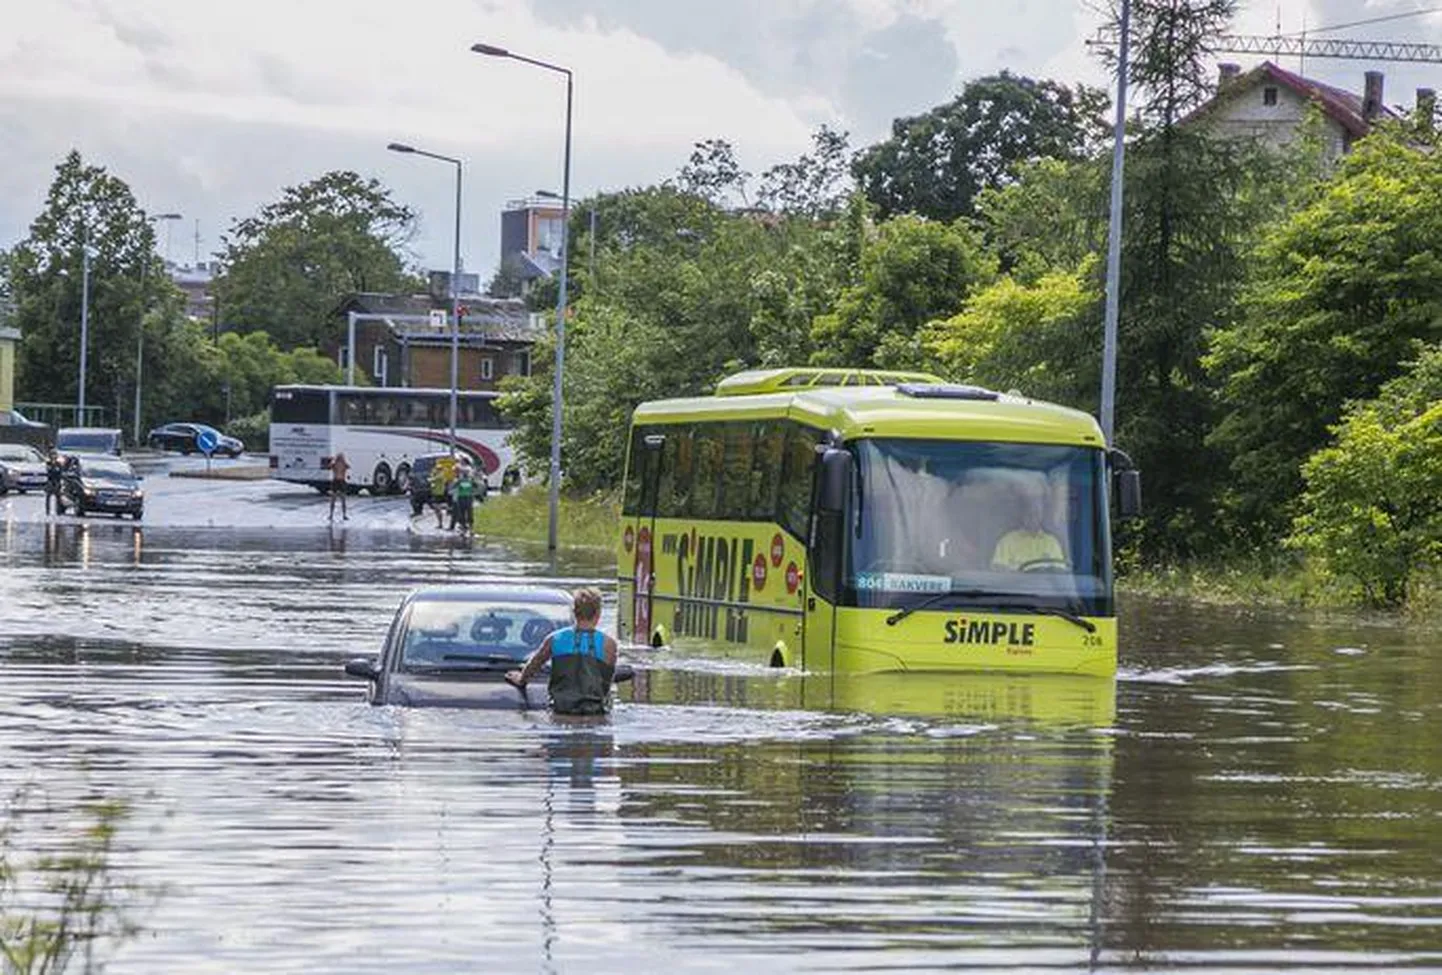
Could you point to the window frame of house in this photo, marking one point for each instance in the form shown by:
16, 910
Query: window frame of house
1269, 96
488, 368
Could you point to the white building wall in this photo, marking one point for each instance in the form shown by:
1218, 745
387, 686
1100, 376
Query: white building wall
1246, 115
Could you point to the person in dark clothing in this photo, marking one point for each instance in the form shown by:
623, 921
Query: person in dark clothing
54, 467
583, 661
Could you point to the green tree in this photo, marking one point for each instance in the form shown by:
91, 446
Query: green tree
1038, 338
816, 184
1344, 291
286, 268
912, 271
677, 312
1371, 513
86, 207
935, 164
1051, 217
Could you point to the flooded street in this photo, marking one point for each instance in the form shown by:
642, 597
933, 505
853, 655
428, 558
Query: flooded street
1254, 792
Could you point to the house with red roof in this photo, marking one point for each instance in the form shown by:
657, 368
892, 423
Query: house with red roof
1269, 104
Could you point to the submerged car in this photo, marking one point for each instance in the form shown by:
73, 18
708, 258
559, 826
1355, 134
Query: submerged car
451, 647
91, 484
22, 468
185, 438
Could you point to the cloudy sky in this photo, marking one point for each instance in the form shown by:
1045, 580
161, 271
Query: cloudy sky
210, 108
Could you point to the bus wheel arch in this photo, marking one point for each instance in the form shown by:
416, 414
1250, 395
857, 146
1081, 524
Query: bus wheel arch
778, 655
660, 638
382, 481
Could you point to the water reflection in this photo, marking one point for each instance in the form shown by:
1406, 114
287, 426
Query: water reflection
1247, 795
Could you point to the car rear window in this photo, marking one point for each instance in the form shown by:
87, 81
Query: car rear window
446, 633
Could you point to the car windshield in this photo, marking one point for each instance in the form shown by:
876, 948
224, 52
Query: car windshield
19, 453
986, 523
106, 470
460, 634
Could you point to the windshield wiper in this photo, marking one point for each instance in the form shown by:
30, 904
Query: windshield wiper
1003, 601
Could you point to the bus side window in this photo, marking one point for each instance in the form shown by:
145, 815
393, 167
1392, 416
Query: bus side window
674, 496
766, 470
706, 484
794, 502
736, 471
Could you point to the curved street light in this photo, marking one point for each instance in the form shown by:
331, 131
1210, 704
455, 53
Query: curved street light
490, 50
402, 147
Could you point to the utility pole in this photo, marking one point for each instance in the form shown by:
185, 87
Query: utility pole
84, 326
1114, 235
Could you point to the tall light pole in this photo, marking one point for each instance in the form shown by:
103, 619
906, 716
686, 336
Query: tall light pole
455, 282
140, 330
556, 401
84, 327
1114, 236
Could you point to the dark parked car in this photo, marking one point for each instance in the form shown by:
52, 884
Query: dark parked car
22, 468
88, 440
451, 647
185, 437
91, 483
418, 484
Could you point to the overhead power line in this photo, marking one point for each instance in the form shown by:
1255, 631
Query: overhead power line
1364, 23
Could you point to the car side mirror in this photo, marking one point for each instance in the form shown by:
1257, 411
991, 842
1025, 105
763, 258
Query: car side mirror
1129, 494
835, 480
363, 668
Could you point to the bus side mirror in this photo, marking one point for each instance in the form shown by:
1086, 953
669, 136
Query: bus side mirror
1129, 494
835, 480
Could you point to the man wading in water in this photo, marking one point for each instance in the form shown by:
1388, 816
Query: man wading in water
583, 661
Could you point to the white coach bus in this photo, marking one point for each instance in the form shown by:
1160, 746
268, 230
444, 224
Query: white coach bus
382, 431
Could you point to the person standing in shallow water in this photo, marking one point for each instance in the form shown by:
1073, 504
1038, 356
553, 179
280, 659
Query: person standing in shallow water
54, 467
339, 468
583, 661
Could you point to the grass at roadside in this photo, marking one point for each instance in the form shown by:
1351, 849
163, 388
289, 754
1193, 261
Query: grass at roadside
1283, 582
585, 522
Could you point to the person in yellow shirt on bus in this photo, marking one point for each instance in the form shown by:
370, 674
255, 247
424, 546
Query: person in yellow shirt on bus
1030, 547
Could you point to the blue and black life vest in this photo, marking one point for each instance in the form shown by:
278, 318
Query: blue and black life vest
580, 675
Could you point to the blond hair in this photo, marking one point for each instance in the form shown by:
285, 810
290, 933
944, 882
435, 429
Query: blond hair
587, 604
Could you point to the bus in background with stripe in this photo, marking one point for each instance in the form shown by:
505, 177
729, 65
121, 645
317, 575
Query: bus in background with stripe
855, 521
381, 431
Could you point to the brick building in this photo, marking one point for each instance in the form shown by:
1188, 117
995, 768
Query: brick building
405, 340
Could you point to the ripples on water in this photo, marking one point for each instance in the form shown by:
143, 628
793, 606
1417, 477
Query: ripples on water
1247, 795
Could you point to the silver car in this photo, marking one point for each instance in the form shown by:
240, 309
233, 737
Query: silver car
22, 468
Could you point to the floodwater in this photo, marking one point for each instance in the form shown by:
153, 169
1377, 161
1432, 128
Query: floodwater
1255, 792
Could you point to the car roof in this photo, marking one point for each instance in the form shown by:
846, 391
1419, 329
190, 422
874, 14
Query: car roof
108, 431
511, 594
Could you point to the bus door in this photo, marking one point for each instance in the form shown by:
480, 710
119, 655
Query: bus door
643, 530
825, 551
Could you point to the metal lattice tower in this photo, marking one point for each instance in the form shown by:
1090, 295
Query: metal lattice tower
1320, 48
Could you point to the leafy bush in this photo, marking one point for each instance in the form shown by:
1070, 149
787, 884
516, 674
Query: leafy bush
253, 430
1372, 508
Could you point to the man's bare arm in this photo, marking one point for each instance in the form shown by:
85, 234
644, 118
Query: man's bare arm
537, 661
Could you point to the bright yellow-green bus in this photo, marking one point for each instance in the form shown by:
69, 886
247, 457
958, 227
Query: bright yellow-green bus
856, 521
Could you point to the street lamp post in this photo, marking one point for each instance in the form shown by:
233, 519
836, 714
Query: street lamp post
455, 283
140, 330
84, 328
490, 50
1114, 237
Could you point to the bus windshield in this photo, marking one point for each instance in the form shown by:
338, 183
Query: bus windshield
998, 521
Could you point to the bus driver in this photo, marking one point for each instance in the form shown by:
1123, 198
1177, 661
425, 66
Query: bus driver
1030, 547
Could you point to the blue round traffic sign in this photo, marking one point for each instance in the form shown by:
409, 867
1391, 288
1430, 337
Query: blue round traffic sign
206, 441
